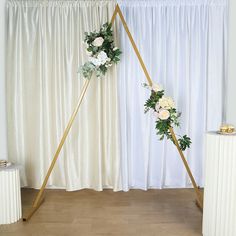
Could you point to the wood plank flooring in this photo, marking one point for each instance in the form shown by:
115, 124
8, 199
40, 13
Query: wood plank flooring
168, 212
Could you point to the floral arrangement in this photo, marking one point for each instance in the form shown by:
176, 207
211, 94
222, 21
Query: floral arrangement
101, 52
166, 115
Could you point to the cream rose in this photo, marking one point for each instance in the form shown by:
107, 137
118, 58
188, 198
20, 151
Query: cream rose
164, 114
171, 102
98, 42
166, 103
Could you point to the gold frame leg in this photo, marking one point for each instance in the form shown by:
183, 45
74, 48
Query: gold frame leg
39, 200
198, 192
34, 209
149, 80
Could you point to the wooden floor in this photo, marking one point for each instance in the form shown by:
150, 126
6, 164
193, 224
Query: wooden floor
87, 212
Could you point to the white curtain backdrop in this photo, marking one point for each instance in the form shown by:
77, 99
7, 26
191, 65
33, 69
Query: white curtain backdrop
183, 43
112, 143
45, 48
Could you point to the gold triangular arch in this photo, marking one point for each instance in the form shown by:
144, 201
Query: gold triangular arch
39, 198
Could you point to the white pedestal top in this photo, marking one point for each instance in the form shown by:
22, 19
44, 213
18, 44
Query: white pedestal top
12, 167
219, 212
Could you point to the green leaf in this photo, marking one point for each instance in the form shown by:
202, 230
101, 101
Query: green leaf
184, 142
106, 33
163, 126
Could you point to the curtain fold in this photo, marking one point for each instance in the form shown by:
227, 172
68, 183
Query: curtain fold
112, 143
183, 44
45, 49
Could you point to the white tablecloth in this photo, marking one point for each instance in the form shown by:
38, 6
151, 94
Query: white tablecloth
219, 213
10, 196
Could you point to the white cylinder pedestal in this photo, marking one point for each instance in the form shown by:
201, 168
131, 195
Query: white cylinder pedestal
219, 212
10, 195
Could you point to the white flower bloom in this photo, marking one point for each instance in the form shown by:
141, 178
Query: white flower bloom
115, 48
166, 103
97, 42
156, 87
171, 102
163, 114
102, 57
95, 61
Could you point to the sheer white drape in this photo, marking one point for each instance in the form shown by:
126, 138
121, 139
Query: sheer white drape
183, 44
45, 48
112, 143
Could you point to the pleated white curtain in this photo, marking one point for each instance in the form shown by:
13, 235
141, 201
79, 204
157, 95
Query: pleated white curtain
183, 43
112, 143
45, 48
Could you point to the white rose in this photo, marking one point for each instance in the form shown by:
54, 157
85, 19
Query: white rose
102, 57
115, 48
166, 102
156, 87
95, 61
163, 114
171, 102
98, 42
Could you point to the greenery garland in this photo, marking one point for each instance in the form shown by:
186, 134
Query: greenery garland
166, 115
101, 52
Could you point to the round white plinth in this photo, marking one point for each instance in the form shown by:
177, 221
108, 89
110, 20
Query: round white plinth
10, 196
219, 212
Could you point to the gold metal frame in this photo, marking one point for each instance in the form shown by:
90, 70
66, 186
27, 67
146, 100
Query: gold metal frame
39, 197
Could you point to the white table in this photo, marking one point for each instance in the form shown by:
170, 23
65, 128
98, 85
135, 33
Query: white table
10, 196
219, 212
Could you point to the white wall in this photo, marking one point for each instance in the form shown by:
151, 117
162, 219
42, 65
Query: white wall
3, 139
231, 88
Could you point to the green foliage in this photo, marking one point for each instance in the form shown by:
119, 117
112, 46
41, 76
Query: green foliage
184, 142
163, 125
87, 70
154, 98
112, 53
